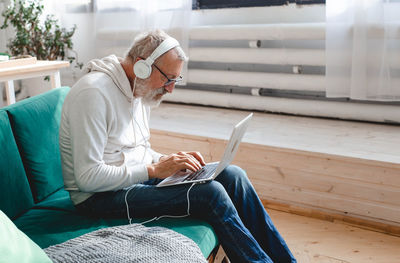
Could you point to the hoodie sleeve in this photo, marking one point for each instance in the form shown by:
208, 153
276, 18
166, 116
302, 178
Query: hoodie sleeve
90, 115
156, 156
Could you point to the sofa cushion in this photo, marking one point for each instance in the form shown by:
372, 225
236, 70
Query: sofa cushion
35, 123
50, 227
16, 247
15, 194
60, 200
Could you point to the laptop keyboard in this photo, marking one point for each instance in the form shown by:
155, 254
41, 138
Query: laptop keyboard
203, 173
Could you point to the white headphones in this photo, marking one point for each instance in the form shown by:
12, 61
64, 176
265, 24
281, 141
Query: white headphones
143, 67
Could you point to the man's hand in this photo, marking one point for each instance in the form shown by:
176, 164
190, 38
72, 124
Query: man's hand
171, 164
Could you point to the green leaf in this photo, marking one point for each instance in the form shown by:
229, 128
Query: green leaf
46, 40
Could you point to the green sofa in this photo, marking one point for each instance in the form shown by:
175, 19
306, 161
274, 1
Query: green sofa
31, 182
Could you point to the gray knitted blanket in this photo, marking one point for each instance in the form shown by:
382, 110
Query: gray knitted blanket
128, 243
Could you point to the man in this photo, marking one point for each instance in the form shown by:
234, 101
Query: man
110, 170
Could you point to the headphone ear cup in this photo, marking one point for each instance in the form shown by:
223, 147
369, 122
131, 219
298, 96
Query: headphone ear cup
141, 69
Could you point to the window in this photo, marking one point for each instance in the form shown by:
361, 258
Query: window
210, 4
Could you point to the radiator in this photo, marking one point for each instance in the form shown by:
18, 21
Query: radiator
253, 54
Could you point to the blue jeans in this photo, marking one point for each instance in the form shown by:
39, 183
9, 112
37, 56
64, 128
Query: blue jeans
229, 204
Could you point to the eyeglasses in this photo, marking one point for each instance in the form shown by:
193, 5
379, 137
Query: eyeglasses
169, 81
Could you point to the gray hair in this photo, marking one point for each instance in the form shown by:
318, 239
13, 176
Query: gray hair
147, 42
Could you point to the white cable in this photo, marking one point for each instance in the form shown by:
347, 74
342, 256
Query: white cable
145, 145
159, 217
145, 151
136, 145
134, 120
127, 206
131, 109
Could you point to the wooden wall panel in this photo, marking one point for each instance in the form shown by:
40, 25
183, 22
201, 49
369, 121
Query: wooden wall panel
324, 184
347, 168
335, 203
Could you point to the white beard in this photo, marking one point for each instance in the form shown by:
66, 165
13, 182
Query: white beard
149, 97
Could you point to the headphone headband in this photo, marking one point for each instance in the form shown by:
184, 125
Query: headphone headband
164, 47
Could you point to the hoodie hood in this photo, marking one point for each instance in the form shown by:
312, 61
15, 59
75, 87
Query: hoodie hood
111, 66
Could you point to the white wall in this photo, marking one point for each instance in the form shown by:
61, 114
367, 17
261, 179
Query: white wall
84, 41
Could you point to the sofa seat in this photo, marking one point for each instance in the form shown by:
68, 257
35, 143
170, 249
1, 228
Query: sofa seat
59, 200
48, 227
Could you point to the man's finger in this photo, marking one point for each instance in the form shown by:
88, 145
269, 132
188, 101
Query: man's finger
187, 165
194, 161
198, 156
190, 158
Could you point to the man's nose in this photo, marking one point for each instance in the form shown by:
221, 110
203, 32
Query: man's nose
170, 87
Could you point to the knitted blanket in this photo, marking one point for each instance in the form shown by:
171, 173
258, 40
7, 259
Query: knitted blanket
128, 243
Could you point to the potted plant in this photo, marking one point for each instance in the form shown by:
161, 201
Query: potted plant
45, 40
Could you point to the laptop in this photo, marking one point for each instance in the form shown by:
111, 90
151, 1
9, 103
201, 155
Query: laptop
211, 170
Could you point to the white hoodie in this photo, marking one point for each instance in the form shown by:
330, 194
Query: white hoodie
102, 147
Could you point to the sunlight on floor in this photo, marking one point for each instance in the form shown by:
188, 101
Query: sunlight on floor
318, 241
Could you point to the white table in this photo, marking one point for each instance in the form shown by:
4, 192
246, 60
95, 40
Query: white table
39, 68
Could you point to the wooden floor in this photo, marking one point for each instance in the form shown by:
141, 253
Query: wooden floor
320, 241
